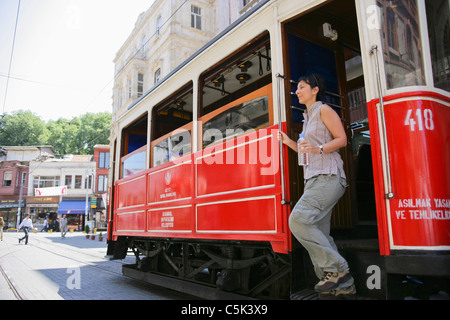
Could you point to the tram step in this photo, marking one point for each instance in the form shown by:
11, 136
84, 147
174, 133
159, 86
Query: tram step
305, 294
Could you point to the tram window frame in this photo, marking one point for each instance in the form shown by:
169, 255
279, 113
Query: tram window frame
262, 93
171, 155
178, 108
216, 95
133, 138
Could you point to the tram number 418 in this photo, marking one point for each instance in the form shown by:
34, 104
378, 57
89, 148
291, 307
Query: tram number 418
423, 119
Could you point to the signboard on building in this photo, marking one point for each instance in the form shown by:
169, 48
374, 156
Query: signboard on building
54, 191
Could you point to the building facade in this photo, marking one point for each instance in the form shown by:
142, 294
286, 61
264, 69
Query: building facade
166, 35
99, 202
61, 187
14, 172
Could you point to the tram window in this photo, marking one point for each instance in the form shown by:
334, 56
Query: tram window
402, 43
439, 34
134, 162
236, 76
236, 120
172, 127
134, 147
173, 147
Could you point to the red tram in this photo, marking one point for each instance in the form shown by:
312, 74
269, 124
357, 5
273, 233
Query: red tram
202, 190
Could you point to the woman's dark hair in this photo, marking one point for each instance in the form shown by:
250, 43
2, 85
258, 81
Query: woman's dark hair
315, 80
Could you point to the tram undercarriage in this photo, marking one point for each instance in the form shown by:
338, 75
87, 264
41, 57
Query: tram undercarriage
252, 270
237, 269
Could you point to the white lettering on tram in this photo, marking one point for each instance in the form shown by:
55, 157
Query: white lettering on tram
423, 209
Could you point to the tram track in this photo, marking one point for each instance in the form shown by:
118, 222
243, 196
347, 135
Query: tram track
85, 262
16, 292
48, 267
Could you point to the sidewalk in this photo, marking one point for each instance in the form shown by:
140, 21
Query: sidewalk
42, 269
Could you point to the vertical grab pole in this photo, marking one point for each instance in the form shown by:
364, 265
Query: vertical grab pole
390, 193
280, 77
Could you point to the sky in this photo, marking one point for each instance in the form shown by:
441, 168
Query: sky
62, 62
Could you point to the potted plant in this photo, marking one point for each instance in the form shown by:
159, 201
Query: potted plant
86, 229
100, 236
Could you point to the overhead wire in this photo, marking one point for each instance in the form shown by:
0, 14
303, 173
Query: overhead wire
121, 69
11, 57
139, 50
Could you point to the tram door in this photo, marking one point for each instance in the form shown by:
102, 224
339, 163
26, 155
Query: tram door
339, 62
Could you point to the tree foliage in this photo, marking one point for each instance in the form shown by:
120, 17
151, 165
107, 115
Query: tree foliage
22, 128
76, 136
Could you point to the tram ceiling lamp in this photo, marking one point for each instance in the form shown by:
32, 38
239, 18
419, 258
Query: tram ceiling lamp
219, 81
180, 104
328, 32
243, 78
244, 66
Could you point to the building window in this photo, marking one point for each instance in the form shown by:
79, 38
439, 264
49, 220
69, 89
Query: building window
158, 26
103, 160
143, 47
68, 182
88, 184
196, 17
140, 90
157, 76
78, 182
102, 183
7, 179
46, 182
24, 178
119, 97
129, 88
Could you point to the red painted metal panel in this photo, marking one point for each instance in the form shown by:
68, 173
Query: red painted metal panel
130, 221
170, 219
235, 200
418, 131
248, 162
131, 192
173, 183
253, 215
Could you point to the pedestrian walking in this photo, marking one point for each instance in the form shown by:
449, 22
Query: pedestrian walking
63, 226
2, 225
325, 184
45, 228
27, 225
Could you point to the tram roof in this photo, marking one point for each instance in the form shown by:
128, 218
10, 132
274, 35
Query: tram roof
232, 26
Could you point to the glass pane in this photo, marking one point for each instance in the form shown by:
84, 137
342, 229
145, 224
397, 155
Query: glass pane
172, 148
438, 16
134, 164
247, 116
402, 45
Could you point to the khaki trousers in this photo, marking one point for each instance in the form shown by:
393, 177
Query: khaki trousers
310, 222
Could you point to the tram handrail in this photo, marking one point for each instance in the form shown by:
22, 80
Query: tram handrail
281, 77
390, 193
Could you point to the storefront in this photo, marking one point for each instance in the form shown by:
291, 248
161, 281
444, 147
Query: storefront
9, 209
43, 207
98, 206
75, 212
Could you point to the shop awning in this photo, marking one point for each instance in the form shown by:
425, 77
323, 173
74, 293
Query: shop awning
73, 207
